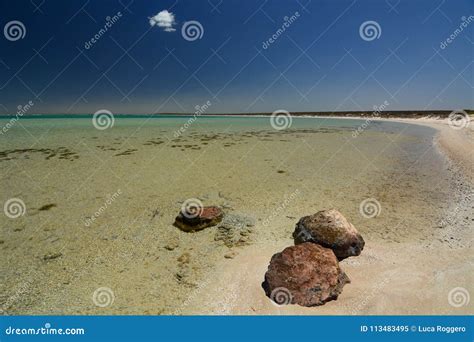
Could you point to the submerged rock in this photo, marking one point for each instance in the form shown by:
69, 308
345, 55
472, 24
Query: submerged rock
47, 207
172, 244
235, 230
306, 274
51, 256
230, 255
199, 219
329, 228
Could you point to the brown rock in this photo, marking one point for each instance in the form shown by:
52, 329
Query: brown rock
306, 274
199, 219
329, 228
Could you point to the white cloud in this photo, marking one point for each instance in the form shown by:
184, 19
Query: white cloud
165, 20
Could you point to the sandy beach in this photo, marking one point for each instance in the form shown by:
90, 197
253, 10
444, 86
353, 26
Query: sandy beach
57, 257
237, 170
388, 278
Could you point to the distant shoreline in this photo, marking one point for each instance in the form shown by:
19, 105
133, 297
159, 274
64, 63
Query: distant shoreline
395, 114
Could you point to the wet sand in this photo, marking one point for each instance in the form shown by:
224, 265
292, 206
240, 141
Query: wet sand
56, 257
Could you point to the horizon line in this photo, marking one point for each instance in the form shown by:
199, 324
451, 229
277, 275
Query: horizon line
296, 113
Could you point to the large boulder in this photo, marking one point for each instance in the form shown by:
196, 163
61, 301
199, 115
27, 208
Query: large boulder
329, 228
198, 218
306, 274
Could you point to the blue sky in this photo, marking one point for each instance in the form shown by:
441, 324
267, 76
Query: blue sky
319, 63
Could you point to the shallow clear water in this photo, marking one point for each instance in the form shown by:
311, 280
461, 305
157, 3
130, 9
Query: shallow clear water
243, 164
210, 123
